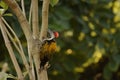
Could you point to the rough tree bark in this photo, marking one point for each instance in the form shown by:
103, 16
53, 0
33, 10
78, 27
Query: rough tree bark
10, 50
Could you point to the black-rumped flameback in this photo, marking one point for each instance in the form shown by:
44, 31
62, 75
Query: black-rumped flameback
48, 47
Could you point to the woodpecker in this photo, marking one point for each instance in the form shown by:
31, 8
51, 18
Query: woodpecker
48, 47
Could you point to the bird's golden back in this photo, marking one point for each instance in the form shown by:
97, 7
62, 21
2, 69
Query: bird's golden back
48, 49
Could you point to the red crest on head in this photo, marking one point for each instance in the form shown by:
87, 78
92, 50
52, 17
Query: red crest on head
56, 34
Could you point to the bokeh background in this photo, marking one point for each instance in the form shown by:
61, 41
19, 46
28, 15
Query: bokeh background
89, 42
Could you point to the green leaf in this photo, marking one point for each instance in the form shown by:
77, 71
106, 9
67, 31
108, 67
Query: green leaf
3, 5
113, 66
1, 11
8, 14
3, 76
116, 58
53, 2
12, 77
107, 73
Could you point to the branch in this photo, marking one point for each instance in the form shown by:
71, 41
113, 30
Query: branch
21, 18
18, 47
44, 27
30, 14
35, 29
44, 75
23, 7
36, 56
29, 47
25, 27
35, 20
10, 50
43, 34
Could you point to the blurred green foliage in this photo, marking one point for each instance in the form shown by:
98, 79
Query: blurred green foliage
89, 43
